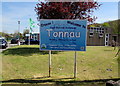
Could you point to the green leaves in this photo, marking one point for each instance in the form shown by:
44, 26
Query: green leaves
66, 10
105, 24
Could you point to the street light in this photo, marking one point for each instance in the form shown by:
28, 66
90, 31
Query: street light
18, 29
18, 32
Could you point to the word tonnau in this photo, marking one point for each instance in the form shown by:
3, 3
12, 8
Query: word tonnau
63, 34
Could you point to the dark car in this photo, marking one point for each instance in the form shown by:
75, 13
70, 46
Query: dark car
32, 41
3, 43
14, 41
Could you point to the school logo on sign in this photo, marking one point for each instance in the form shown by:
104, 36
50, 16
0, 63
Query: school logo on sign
63, 35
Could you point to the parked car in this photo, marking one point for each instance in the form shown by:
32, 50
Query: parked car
32, 41
3, 43
22, 41
14, 41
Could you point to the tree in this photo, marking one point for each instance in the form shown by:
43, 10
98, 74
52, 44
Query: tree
20, 35
66, 10
6, 35
26, 31
17, 35
114, 26
105, 24
94, 25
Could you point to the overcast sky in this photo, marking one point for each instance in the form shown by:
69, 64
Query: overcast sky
12, 12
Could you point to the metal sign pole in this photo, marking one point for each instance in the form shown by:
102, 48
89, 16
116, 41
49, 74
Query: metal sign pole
75, 66
49, 63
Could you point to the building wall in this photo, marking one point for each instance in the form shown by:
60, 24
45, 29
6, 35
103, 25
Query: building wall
95, 40
35, 36
96, 36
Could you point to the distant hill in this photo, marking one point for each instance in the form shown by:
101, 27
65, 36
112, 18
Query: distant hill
114, 25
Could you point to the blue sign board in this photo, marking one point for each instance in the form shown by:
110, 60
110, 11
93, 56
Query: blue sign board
63, 35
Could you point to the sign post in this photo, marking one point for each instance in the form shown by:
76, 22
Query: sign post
65, 35
49, 63
75, 65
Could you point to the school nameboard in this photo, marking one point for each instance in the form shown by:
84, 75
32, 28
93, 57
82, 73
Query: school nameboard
63, 35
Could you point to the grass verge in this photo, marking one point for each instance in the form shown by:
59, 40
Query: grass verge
28, 62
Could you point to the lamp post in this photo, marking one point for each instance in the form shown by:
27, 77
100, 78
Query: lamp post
18, 32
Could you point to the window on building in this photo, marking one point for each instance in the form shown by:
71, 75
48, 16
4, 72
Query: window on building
103, 31
94, 28
97, 30
91, 29
106, 43
91, 34
106, 39
107, 35
35, 37
101, 35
